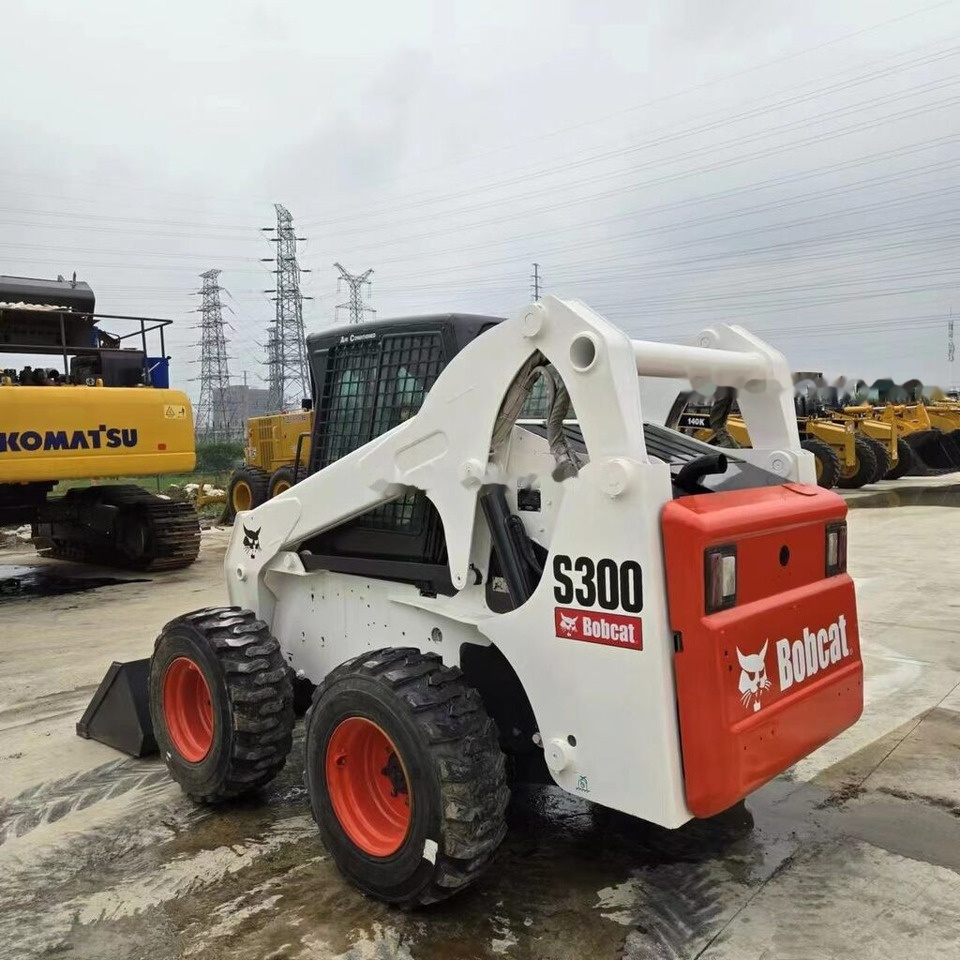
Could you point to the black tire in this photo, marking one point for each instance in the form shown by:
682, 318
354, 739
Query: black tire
449, 760
828, 463
882, 457
863, 470
905, 460
248, 485
280, 481
250, 694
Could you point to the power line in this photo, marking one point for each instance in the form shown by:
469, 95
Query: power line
214, 420
287, 357
355, 284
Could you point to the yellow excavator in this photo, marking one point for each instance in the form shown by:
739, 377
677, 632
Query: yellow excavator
104, 411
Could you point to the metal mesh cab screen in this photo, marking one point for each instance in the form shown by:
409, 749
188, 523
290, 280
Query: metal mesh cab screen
371, 387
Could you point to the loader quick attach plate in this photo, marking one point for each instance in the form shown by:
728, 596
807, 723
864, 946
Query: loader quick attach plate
776, 673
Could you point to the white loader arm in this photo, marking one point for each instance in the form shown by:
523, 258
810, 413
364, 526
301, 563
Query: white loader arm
445, 449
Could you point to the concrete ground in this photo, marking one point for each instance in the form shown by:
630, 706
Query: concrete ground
854, 853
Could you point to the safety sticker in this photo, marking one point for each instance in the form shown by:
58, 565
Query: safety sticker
173, 411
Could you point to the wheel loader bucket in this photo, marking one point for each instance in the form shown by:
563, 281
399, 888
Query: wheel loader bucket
119, 713
935, 453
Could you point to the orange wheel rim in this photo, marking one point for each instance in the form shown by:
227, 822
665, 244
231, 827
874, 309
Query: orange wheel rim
188, 709
282, 487
368, 787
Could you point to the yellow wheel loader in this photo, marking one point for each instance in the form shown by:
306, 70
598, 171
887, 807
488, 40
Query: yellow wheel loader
842, 457
275, 457
894, 455
932, 451
106, 411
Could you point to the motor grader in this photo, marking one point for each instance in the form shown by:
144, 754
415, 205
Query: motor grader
842, 405
276, 453
477, 597
893, 454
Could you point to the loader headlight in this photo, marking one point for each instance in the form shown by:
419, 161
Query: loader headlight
836, 548
720, 574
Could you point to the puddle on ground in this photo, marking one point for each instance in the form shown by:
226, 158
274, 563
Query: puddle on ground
18, 582
908, 497
250, 879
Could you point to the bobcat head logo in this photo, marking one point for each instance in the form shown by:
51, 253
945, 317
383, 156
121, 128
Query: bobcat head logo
251, 540
568, 624
753, 677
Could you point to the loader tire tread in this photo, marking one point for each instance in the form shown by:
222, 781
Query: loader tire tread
882, 456
864, 470
257, 714
827, 461
905, 460
463, 744
247, 483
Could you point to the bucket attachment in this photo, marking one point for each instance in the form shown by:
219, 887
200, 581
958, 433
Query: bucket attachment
119, 713
935, 452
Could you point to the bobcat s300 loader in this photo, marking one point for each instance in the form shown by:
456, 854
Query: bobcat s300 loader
475, 595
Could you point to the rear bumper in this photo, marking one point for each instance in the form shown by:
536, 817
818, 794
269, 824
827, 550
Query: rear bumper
767, 681
730, 749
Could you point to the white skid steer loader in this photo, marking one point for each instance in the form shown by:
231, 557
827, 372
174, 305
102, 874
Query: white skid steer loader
476, 591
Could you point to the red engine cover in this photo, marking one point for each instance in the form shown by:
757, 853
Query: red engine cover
766, 682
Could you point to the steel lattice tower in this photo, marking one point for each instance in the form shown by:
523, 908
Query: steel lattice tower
274, 377
287, 365
355, 284
214, 420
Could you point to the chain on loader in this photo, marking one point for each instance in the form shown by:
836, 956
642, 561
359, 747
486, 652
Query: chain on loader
477, 594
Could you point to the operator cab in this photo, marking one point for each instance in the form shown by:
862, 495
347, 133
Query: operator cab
57, 318
367, 380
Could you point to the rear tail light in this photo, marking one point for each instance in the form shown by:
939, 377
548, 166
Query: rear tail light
720, 574
836, 548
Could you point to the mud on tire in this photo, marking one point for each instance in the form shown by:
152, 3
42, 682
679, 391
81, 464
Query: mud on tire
442, 752
221, 702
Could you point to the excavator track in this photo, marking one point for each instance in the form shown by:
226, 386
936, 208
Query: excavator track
141, 531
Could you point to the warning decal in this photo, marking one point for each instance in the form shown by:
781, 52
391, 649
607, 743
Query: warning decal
175, 411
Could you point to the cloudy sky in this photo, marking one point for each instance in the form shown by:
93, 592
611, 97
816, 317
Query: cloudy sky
791, 167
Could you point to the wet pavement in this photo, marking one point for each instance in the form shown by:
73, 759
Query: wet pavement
20, 581
149, 874
903, 495
853, 853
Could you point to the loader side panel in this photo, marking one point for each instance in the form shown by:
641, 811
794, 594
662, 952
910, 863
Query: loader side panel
777, 672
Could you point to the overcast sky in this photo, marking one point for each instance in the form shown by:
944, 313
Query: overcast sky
791, 167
